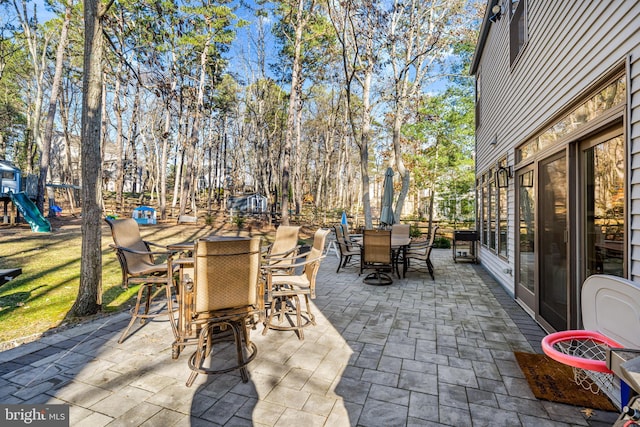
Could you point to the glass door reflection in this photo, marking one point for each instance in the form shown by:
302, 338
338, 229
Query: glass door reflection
604, 205
525, 288
553, 205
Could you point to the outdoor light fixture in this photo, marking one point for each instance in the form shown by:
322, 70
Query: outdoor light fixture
502, 176
496, 11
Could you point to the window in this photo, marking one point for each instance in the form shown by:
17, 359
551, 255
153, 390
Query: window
485, 211
517, 28
613, 95
502, 216
494, 211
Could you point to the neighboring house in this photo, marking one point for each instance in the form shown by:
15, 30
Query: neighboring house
248, 203
558, 149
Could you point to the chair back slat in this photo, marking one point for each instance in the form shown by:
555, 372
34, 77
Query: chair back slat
226, 273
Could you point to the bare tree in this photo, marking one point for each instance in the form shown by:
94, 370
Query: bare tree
37, 47
300, 12
417, 37
53, 102
357, 26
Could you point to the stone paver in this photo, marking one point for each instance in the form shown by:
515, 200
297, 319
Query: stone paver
419, 352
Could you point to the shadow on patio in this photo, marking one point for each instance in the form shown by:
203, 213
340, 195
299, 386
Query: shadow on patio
417, 352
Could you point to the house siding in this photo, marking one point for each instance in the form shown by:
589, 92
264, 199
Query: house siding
634, 150
570, 47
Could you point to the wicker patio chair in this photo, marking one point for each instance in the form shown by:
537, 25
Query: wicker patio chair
401, 230
227, 300
349, 236
284, 248
284, 290
139, 266
377, 255
421, 251
348, 249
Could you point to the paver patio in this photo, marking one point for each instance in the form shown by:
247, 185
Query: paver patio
415, 353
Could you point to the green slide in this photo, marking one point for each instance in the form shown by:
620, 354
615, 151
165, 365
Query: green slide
30, 212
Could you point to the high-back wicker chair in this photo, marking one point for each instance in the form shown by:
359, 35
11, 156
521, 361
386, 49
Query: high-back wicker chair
421, 251
377, 255
284, 290
348, 249
140, 266
228, 296
284, 248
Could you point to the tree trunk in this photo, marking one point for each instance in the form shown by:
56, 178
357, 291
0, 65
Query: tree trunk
89, 299
297, 174
117, 110
397, 149
53, 102
38, 61
164, 156
296, 69
68, 176
187, 180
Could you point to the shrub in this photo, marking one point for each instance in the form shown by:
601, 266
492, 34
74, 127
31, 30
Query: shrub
239, 221
414, 231
441, 243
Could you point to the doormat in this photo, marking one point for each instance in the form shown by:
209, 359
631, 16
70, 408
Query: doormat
553, 381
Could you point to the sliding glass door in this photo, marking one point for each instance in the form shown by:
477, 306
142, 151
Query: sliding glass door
526, 238
554, 233
604, 204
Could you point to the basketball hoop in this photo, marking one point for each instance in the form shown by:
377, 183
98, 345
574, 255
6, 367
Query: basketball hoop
584, 351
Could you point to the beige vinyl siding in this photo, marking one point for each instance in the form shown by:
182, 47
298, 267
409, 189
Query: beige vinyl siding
560, 61
570, 46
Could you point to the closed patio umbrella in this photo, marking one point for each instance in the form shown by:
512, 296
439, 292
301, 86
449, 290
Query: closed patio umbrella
386, 211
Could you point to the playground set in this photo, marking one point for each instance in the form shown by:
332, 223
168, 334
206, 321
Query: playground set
16, 202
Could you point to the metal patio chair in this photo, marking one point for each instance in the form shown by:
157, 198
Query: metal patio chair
284, 291
347, 249
140, 265
421, 251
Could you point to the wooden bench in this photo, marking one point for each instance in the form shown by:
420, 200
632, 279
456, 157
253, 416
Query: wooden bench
9, 274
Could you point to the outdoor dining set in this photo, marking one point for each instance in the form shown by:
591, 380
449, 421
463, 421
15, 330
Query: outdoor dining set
219, 287
383, 250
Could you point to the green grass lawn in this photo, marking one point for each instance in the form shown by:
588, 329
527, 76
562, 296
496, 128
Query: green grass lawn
40, 298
